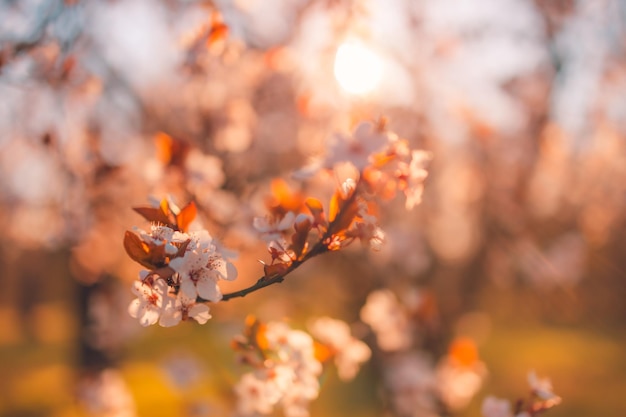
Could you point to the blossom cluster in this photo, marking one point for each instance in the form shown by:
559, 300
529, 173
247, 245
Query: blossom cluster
416, 381
288, 363
542, 398
184, 267
371, 163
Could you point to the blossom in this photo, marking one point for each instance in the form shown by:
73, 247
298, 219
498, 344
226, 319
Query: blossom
182, 307
255, 395
457, 384
148, 305
413, 178
201, 267
203, 171
289, 379
260, 391
496, 407
106, 394
273, 228
369, 234
387, 317
359, 148
411, 381
349, 352
542, 388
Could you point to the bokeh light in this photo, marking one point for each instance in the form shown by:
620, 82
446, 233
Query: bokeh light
357, 68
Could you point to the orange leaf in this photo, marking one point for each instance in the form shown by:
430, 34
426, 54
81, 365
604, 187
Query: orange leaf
322, 352
316, 208
283, 199
164, 147
217, 35
333, 208
186, 216
463, 351
255, 332
341, 213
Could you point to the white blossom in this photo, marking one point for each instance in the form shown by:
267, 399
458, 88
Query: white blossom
148, 305
289, 380
182, 307
542, 388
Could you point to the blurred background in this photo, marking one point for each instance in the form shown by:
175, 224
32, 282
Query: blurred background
519, 244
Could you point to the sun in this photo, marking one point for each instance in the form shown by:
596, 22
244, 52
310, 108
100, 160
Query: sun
357, 68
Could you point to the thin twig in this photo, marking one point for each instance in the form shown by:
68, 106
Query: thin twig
320, 247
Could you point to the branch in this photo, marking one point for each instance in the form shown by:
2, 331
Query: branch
320, 247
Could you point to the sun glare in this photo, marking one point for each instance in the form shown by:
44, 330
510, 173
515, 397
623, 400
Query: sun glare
357, 69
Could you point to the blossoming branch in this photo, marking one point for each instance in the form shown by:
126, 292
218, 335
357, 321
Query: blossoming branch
184, 267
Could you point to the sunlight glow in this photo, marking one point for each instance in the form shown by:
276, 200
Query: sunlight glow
357, 69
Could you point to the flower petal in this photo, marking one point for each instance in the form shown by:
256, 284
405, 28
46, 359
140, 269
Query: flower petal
208, 289
200, 313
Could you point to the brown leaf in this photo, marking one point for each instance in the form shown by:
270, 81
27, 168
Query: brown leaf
275, 270
137, 249
153, 214
182, 247
157, 256
300, 237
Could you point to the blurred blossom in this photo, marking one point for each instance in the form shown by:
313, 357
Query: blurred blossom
460, 374
183, 370
496, 407
105, 394
542, 387
412, 383
583, 46
349, 352
109, 326
31, 173
203, 171
290, 380
405, 248
135, 39
457, 385
562, 263
251, 21
389, 320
